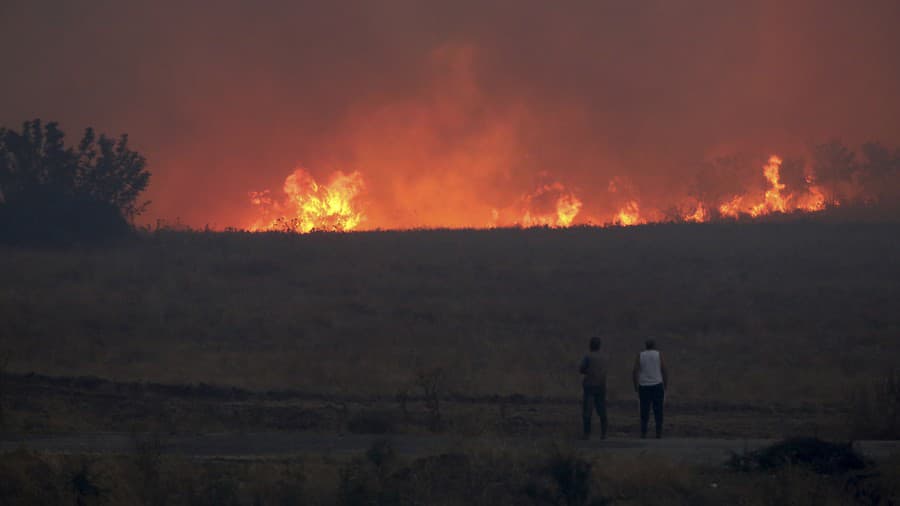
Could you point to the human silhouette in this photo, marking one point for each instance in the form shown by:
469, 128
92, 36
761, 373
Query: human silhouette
593, 367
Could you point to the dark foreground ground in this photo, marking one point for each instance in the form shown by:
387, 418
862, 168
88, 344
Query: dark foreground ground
778, 313
439, 367
768, 329
696, 451
46, 405
307, 468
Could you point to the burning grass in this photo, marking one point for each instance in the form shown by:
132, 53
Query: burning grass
335, 205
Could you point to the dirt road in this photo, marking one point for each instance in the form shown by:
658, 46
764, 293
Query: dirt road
279, 444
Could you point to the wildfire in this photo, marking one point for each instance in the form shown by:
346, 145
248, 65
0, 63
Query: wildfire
309, 206
775, 199
449, 154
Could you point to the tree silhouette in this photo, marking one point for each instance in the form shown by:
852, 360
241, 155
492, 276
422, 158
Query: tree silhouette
880, 172
793, 173
50, 191
110, 172
722, 178
836, 168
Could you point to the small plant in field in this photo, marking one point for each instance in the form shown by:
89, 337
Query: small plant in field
148, 460
290, 487
402, 398
366, 481
4, 363
512, 423
342, 412
83, 486
565, 480
431, 382
876, 409
381, 454
219, 488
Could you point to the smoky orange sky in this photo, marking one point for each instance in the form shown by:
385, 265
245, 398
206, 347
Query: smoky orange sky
450, 111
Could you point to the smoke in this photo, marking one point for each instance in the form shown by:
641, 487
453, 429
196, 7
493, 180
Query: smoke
453, 111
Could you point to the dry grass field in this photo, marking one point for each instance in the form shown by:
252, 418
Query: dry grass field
761, 316
551, 474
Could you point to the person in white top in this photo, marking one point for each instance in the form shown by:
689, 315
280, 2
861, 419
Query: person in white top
650, 381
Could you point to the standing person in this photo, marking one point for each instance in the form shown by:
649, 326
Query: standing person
593, 367
650, 381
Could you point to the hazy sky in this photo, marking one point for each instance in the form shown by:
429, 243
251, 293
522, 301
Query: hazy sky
448, 105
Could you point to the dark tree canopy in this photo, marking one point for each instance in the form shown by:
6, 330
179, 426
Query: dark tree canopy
880, 170
836, 168
50, 191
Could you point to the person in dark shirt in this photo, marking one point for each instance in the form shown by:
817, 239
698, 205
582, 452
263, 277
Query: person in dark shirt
593, 367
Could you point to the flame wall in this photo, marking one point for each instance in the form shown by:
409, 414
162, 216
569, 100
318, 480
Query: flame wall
457, 114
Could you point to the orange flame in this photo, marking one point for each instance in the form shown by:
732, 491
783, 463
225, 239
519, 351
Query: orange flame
629, 215
427, 178
310, 206
775, 199
699, 215
550, 205
565, 209
814, 200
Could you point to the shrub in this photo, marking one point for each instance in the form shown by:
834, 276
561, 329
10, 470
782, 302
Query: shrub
564, 479
820, 456
365, 481
28, 478
83, 485
431, 382
148, 462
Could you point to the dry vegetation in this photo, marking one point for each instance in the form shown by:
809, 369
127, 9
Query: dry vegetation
760, 315
550, 475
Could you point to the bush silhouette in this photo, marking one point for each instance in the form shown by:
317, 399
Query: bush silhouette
53, 193
822, 457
